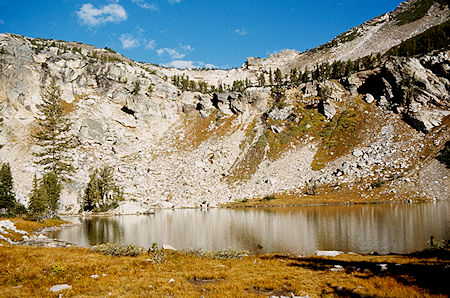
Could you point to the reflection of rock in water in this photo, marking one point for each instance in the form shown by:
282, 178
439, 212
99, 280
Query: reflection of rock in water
400, 228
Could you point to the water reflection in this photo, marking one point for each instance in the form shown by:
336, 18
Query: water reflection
399, 228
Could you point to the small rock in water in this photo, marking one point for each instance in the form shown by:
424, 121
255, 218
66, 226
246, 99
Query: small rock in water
57, 288
95, 276
328, 253
168, 247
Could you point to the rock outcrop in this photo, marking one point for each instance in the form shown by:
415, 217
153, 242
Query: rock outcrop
410, 87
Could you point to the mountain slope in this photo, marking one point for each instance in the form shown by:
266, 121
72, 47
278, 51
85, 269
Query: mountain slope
374, 36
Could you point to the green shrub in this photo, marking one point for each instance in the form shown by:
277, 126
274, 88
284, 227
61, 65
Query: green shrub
57, 269
118, 249
269, 198
437, 244
224, 254
380, 182
156, 254
262, 140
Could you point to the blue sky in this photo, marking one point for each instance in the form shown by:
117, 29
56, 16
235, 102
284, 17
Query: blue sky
185, 33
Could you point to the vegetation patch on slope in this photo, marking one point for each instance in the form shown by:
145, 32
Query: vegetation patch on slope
338, 137
417, 11
196, 129
435, 38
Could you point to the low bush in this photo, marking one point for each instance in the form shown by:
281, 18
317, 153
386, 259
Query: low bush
118, 249
269, 198
224, 254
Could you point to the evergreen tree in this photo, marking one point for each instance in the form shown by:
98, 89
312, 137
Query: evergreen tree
278, 77
44, 198
261, 80
54, 136
101, 193
7, 196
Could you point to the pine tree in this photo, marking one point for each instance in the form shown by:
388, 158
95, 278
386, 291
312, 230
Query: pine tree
278, 77
36, 207
261, 80
54, 136
44, 199
101, 193
7, 196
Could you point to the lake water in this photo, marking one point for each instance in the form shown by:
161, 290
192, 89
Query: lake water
384, 228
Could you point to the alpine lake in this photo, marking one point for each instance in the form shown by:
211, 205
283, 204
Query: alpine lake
382, 228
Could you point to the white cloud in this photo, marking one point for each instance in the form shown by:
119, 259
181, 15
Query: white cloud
180, 64
173, 53
128, 41
187, 48
241, 32
91, 16
210, 66
176, 53
146, 5
188, 64
174, 1
150, 44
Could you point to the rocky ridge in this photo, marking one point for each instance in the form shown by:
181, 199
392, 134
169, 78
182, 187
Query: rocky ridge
177, 148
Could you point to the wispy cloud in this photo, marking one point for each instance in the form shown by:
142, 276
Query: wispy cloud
92, 16
174, 1
128, 41
241, 32
175, 53
150, 44
182, 64
145, 5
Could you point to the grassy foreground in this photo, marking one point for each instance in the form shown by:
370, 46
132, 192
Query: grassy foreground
28, 271
31, 271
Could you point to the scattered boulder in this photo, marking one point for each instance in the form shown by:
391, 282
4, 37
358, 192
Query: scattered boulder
327, 108
61, 287
280, 114
369, 98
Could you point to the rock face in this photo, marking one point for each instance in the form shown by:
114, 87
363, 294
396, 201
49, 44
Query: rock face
176, 148
418, 89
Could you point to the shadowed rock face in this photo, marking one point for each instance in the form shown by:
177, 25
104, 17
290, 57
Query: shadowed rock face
171, 147
409, 86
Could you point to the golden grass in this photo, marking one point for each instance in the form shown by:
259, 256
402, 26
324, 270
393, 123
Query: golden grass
197, 129
327, 195
31, 271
